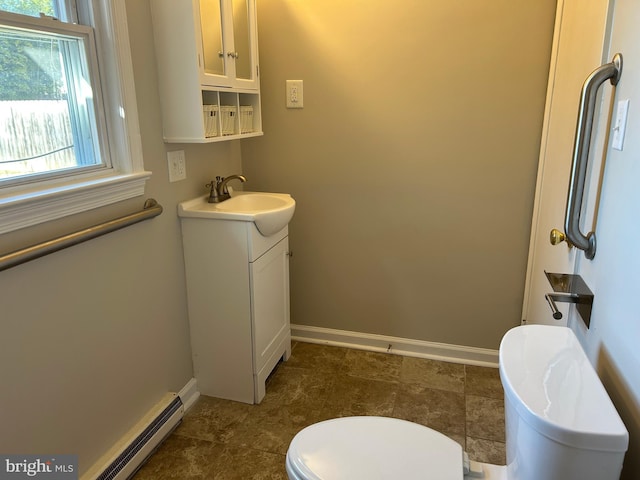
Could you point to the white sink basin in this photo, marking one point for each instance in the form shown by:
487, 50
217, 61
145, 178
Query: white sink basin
270, 212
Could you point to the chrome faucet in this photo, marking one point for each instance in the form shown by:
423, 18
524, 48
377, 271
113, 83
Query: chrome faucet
219, 192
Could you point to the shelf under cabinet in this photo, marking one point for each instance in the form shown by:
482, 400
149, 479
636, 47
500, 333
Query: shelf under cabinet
223, 138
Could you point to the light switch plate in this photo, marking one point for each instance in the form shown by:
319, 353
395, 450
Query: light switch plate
177, 165
294, 94
620, 125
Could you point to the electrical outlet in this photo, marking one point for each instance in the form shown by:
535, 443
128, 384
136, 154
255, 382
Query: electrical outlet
177, 165
294, 94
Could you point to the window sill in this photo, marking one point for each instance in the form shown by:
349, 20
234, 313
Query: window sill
24, 209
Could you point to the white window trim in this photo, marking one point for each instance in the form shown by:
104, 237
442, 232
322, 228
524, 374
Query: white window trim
25, 206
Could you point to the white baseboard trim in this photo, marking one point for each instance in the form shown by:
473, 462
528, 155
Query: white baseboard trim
189, 394
483, 357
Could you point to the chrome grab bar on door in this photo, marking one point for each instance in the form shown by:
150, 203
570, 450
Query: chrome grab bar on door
610, 71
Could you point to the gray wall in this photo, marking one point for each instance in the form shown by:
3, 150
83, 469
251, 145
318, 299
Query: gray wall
93, 336
413, 161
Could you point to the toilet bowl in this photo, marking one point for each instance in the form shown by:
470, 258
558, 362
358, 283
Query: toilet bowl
560, 425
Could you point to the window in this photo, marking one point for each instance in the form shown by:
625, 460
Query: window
66, 144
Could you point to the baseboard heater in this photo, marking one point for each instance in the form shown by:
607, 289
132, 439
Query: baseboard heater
124, 460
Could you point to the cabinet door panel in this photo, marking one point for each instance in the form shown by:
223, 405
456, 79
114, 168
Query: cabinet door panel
229, 43
212, 45
242, 39
270, 301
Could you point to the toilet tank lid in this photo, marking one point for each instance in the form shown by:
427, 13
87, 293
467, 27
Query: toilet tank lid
549, 380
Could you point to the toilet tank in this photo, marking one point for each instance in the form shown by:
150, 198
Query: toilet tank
560, 422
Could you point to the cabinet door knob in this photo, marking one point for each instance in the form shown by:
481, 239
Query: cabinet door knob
289, 254
233, 54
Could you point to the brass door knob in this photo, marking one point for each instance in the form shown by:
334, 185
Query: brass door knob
556, 237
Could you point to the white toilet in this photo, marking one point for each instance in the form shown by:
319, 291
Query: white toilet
560, 425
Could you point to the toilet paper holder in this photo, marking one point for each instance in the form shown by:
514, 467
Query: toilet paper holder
569, 288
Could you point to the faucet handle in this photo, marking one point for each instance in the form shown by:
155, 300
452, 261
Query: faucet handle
213, 185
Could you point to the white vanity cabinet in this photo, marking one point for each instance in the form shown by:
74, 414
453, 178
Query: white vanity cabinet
208, 74
238, 298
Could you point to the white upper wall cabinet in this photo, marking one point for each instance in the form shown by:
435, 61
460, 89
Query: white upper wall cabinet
207, 58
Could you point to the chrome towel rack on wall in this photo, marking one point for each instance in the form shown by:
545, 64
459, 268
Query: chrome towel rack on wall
151, 209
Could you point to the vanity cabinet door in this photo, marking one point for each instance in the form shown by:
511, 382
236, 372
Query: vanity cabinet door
228, 33
270, 301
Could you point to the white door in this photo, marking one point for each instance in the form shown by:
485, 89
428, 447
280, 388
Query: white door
579, 47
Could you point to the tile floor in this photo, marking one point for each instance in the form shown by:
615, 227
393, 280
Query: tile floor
220, 439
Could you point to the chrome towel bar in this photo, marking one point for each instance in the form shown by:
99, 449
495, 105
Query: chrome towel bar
151, 209
610, 71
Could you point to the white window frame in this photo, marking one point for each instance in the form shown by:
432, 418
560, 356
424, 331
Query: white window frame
30, 204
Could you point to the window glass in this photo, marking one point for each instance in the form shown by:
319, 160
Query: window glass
67, 97
30, 7
47, 112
